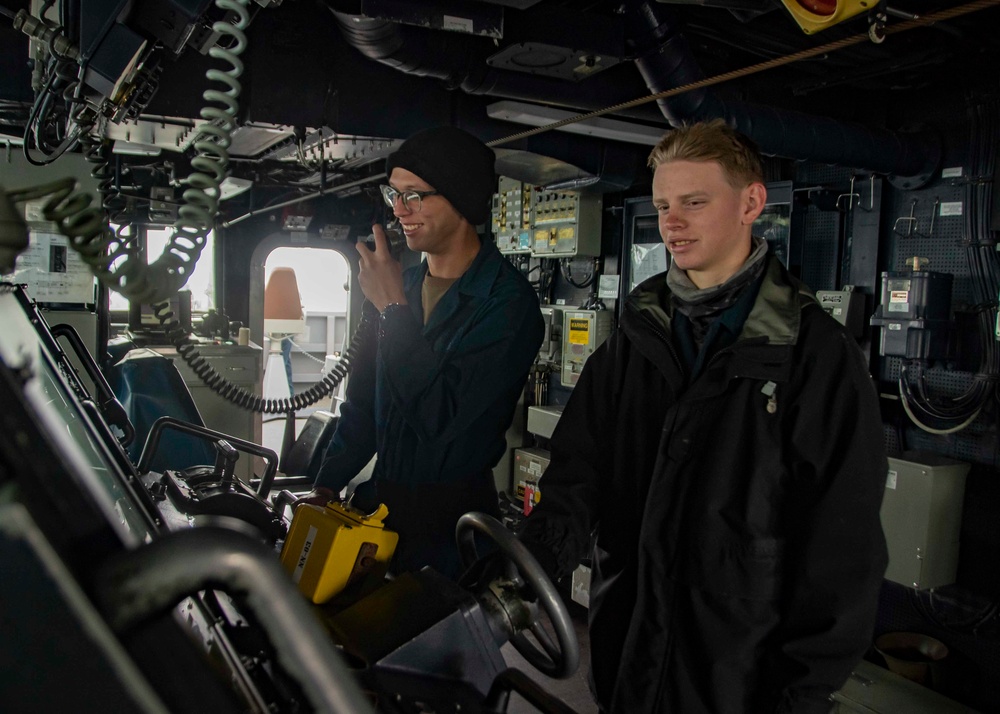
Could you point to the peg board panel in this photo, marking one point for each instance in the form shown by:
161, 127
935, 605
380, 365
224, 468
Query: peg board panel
932, 236
810, 174
821, 229
820, 236
977, 443
939, 239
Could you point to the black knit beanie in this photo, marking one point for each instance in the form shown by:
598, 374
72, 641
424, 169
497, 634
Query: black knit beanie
455, 163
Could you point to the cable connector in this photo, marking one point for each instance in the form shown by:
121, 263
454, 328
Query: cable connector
34, 28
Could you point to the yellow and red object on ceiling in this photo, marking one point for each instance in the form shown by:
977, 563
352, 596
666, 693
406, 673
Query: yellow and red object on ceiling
815, 15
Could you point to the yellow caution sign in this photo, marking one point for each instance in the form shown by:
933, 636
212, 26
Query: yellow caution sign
579, 331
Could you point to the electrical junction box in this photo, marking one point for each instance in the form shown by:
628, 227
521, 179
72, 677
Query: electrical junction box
914, 314
565, 224
543, 420
529, 465
922, 517
846, 307
583, 333
330, 548
511, 216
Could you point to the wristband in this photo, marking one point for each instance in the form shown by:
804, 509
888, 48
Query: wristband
386, 313
389, 309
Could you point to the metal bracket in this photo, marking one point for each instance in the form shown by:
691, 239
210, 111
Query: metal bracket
877, 18
852, 194
910, 222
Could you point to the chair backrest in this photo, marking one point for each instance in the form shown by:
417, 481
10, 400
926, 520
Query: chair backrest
305, 454
149, 386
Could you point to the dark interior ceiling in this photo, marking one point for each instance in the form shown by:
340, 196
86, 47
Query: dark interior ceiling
328, 86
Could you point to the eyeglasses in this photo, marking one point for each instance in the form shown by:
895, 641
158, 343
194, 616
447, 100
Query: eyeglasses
413, 200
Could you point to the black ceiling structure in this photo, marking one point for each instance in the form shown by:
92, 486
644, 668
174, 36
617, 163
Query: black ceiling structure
328, 86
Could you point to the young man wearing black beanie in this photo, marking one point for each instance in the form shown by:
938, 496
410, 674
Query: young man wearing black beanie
434, 396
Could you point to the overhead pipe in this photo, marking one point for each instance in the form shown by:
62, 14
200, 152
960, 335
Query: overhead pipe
461, 63
665, 61
911, 156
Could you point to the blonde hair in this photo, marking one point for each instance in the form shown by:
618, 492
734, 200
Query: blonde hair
712, 141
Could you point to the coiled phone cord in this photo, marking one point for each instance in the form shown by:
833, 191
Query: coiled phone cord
108, 255
97, 153
187, 350
201, 201
201, 198
113, 263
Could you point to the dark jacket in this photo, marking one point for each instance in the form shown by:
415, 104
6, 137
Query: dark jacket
434, 403
739, 551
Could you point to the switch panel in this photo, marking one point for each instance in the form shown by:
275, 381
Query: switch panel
565, 224
512, 216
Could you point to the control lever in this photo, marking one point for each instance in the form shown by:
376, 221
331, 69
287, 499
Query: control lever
225, 463
149, 449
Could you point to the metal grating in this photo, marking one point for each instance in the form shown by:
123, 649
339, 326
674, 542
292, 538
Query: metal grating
939, 380
821, 233
823, 174
977, 443
891, 439
933, 223
912, 224
820, 229
919, 230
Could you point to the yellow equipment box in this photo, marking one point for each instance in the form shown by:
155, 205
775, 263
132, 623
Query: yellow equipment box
331, 547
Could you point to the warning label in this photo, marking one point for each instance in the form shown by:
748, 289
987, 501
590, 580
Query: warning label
579, 331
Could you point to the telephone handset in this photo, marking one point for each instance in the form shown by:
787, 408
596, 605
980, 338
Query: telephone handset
395, 238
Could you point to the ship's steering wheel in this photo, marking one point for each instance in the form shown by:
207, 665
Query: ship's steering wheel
559, 659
